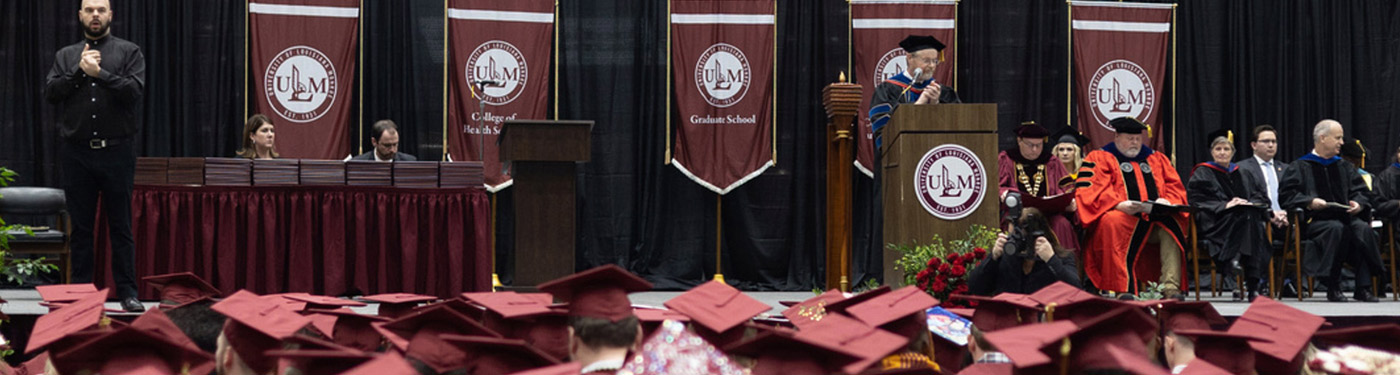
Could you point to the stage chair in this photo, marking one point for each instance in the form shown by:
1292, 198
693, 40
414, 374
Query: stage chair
47, 241
1215, 281
1295, 242
1387, 256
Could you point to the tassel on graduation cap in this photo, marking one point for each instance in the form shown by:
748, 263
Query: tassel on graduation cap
1230, 135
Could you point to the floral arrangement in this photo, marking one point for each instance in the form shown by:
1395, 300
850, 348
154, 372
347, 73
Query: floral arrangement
941, 268
1355, 360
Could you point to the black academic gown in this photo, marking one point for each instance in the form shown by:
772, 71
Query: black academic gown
1227, 233
1335, 235
1386, 187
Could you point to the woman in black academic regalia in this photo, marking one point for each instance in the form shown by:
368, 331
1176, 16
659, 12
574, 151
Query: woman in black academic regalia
1229, 219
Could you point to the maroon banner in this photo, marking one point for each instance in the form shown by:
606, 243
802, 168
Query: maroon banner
304, 72
500, 53
722, 65
1120, 66
877, 26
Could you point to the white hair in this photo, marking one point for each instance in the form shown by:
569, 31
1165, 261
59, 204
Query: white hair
1322, 128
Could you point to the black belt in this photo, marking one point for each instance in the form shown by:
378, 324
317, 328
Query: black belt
100, 143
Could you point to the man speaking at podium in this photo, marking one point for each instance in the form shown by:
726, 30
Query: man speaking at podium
914, 85
1126, 194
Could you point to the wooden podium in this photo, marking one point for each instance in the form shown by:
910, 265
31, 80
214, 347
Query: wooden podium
544, 158
953, 129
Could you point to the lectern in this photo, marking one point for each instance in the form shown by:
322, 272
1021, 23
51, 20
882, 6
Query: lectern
940, 174
544, 157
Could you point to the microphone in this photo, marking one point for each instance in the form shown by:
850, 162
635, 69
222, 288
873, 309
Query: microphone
915, 78
489, 83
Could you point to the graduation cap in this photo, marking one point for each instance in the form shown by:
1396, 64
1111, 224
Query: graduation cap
64, 293
1353, 148
600, 292
1202, 367
1003, 311
322, 302
1129, 125
394, 305
717, 306
803, 313
304, 342
782, 353
1030, 129
916, 43
1289, 328
840, 306
498, 356
1022, 344
677, 350
1223, 349
132, 351
181, 288
318, 361
83, 314
349, 328
1226, 133
652, 318
1378, 336
155, 321
511, 304
256, 325
390, 363
1196, 315
566, 368
850, 336
900, 311
419, 336
1067, 134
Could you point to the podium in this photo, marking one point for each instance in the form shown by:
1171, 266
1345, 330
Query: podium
931, 180
544, 157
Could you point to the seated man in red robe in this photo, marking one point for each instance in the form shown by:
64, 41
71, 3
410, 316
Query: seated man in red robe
1119, 193
1033, 172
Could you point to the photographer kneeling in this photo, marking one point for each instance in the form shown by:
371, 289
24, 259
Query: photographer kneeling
1027, 260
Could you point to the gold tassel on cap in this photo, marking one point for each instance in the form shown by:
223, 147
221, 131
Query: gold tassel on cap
1230, 135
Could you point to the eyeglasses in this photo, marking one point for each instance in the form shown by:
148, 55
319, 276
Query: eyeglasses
1267, 141
1032, 145
926, 60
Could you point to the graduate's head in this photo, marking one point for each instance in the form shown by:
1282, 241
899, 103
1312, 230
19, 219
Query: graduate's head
923, 53
1327, 138
1264, 142
95, 17
1030, 139
1128, 135
1222, 146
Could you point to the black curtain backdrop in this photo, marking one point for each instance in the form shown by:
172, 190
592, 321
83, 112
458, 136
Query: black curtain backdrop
1240, 63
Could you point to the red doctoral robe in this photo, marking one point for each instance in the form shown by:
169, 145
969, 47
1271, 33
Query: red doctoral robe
1117, 256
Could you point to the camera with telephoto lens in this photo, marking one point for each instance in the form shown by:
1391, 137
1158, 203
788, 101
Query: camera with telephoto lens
1021, 241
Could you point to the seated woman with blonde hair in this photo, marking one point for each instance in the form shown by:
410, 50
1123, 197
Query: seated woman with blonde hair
258, 138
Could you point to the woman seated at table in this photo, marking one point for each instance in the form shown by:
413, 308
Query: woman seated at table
1229, 219
258, 138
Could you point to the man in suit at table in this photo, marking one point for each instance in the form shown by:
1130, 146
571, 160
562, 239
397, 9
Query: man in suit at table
385, 138
1261, 171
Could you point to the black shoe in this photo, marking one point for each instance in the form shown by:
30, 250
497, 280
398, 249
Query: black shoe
1251, 296
1173, 294
1126, 297
1334, 295
131, 304
1236, 296
1364, 295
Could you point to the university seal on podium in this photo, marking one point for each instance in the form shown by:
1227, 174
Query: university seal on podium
950, 181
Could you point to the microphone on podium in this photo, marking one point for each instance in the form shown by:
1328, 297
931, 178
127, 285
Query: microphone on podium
915, 78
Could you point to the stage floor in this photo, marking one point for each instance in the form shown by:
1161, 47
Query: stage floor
26, 302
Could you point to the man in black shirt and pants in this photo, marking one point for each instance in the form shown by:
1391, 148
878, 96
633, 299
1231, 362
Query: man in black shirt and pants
98, 83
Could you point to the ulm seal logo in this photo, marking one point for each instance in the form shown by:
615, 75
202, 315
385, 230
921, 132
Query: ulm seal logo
300, 84
950, 182
501, 62
891, 64
722, 74
1121, 88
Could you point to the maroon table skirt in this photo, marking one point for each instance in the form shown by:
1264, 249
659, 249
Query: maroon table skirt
315, 239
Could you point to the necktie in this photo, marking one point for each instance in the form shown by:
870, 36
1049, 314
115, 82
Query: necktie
1271, 178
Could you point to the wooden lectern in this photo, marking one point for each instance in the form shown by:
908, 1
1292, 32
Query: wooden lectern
914, 131
842, 103
544, 158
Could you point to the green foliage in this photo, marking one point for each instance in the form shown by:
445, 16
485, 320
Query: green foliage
1153, 291
15, 270
914, 257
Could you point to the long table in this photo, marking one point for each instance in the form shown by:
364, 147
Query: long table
316, 239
